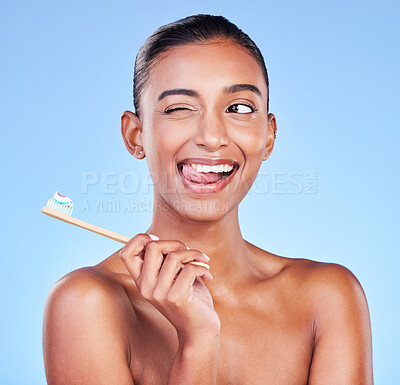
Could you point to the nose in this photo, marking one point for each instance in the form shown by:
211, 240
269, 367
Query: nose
211, 133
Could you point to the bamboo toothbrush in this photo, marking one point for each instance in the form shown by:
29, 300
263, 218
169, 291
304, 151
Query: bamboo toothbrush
61, 207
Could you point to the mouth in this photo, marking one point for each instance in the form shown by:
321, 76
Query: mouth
207, 175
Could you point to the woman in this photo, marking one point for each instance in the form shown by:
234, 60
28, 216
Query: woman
152, 313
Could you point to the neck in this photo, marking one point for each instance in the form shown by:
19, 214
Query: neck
221, 239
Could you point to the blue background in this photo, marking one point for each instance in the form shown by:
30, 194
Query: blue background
66, 72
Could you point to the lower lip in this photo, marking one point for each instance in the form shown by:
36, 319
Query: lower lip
207, 188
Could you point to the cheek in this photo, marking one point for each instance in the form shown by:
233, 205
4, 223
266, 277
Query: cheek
162, 144
252, 142
168, 135
172, 138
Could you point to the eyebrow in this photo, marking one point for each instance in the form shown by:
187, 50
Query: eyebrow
242, 87
178, 91
228, 90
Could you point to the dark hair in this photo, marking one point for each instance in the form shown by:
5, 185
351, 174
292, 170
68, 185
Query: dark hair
192, 29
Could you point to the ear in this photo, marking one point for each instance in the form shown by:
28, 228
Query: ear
131, 128
271, 136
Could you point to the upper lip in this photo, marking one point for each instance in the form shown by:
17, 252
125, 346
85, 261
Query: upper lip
208, 161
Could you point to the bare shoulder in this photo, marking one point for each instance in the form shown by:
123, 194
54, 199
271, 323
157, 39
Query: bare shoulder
86, 322
321, 287
322, 290
322, 273
326, 285
331, 281
85, 289
87, 296
336, 304
78, 282
336, 300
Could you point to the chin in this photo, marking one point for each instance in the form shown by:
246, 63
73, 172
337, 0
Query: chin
204, 214
201, 210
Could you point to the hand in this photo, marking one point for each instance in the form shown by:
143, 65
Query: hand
165, 277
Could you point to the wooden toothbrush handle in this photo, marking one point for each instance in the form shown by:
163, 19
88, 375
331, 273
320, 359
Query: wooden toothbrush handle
77, 222
98, 230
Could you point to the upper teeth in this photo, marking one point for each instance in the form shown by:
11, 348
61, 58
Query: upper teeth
206, 168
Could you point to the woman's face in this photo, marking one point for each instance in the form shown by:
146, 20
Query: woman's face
205, 127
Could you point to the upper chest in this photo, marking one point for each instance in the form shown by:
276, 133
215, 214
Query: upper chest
264, 340
267, 344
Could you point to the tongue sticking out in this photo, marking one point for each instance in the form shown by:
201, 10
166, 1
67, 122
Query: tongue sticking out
201, 177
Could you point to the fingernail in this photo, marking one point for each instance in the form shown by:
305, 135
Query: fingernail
208, 258
187, 248
153, 237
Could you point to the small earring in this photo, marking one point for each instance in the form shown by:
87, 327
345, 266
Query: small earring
139, 152
275, 134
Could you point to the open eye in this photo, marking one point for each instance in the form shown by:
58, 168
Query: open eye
241, 108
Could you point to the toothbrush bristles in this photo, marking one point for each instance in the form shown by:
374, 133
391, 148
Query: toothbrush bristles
62, 208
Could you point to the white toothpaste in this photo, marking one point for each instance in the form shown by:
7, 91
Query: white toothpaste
61, 203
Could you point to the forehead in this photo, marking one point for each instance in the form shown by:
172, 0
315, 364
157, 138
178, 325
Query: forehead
207, 68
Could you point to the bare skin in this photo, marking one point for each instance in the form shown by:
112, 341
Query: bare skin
147, 316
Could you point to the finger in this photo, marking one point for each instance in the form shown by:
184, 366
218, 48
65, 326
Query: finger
184, 282
130, 254
153, 260
204, 258
134, 267
200, 264
135, 245
172, 265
